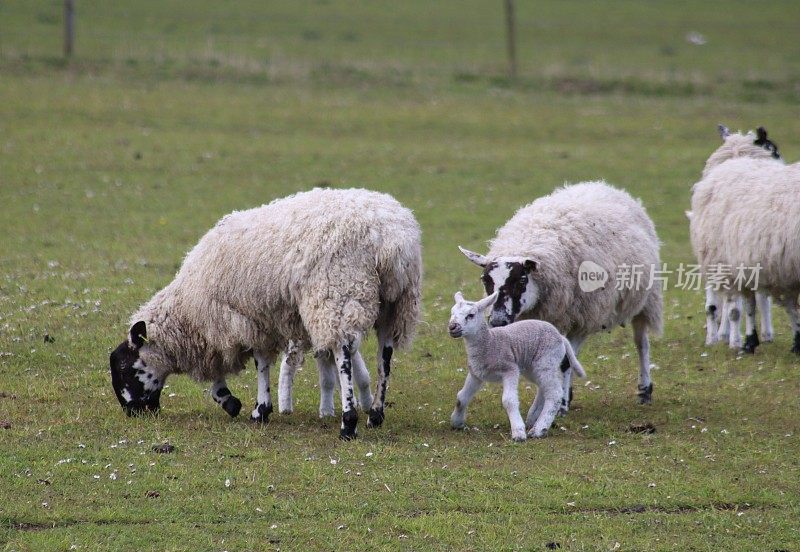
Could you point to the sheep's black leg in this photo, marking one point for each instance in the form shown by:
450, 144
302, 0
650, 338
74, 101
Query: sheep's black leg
263, 407
223, 397
344, 362
384, 364
751, 337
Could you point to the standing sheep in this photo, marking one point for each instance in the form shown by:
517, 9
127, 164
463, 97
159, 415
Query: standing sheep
531, 348
746, 216
322, 267
536, 259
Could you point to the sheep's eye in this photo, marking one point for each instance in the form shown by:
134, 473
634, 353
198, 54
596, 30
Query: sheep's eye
470, 316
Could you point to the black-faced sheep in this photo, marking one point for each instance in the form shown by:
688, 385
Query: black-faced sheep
537, 259
746, 217
322, 267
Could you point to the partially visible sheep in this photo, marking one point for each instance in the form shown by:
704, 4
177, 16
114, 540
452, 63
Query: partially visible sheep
531, 348
536, 259
723, 314
293, 359
323, 267
723, 317
746, 214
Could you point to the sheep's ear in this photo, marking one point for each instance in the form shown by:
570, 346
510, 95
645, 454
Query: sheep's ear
723, 131
137, 336
761, 136
530, 265
476, 258
458, 297
486, 302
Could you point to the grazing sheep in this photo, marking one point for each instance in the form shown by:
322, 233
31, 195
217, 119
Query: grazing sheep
746, 216
537, 258
532, 348
321, 267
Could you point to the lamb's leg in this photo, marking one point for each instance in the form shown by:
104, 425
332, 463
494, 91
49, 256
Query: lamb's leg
327, 383
263, 407
751, 337
566, 398
535, 409
645, 387
764, 305
223, 397
511, 404
552, 392
343, 356
292, 360
790, 304
712, 310
471, 386
734, 316
361, 377
385, 350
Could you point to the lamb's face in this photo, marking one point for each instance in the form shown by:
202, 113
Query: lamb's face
511, 278
137, 386
466, 317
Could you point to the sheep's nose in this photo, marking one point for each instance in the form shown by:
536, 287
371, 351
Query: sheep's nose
453, 327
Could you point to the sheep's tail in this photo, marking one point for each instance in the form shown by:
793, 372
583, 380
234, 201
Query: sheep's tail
400, 271
573, 360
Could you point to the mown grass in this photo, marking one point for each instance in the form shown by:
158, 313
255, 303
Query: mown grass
110, 169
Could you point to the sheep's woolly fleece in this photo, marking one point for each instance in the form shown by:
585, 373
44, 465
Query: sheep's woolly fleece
746, 211
590, 221
314, 266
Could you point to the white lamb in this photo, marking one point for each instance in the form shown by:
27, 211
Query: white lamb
537, 259
321, 267
746, 218
531, 348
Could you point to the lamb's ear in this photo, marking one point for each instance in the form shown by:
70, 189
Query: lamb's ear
458, 297
476, 258
688, 215
723, 131
530, 265
137, 336
487, 302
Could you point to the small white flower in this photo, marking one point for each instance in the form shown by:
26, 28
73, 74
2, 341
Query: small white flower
369, 454
227, 483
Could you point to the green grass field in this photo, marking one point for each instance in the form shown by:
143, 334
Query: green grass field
172, 114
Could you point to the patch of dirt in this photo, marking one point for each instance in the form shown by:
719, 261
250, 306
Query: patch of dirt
164, 448
647, 428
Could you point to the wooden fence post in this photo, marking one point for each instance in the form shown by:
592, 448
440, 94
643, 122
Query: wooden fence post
69, 27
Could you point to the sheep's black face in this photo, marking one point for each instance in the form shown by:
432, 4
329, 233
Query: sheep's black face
516, 291
766, 143
138, 390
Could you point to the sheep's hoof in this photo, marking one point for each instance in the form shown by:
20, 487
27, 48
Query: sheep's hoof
285, 410
349, 422
796, 346
768, 337
645, 394
376, 417
232, 406
750, 343
519, 438
533, 434
261, 413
